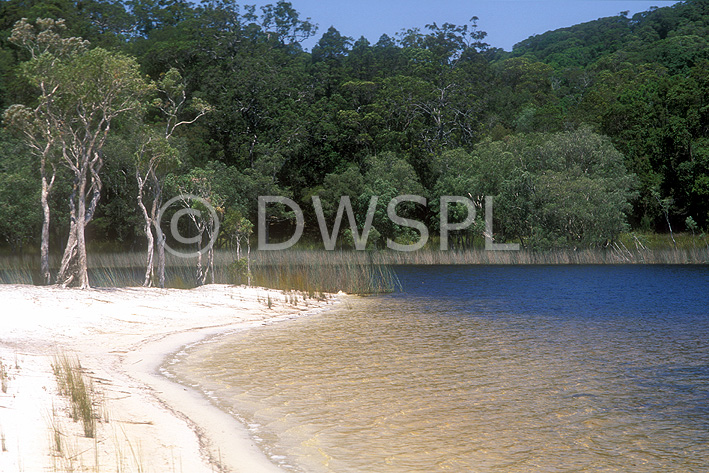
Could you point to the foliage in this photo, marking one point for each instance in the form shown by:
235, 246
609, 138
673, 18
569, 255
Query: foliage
550, 190
20, 216
432, 111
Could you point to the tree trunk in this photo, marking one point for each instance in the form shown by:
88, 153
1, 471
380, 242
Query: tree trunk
147, 228
210, 252
82, 264
63, 276
248, 261
161, 262
44, 251
74, 266
211, 262
147, 282
154, 209
200, 273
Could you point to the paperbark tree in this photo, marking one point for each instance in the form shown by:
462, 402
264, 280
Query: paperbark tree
156, 153
89, 89
38, 126
239, 230
198, 182
37, 134
151, 155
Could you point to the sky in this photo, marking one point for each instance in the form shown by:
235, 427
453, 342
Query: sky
507, 22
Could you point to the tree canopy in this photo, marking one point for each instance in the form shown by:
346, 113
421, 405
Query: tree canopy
578, 133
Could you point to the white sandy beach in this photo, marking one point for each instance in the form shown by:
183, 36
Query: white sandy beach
121, 337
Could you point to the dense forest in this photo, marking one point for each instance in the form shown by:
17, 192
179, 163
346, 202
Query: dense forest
579, 134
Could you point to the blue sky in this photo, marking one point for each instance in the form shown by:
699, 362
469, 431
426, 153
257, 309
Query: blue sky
506, 21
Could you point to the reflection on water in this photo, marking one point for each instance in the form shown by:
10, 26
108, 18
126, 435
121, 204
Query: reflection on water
444, 378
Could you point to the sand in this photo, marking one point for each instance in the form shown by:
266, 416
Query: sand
121, 337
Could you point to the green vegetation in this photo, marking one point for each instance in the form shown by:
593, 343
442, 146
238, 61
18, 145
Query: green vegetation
582, 135
76, 386
552, 190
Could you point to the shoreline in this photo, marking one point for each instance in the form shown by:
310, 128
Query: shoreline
122, 337
225, 451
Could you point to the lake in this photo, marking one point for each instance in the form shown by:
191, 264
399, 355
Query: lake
480, 369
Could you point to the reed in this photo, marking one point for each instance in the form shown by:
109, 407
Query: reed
67, 455
16, 269
56, 434
317, 272
617, 254
136, 454
313, 271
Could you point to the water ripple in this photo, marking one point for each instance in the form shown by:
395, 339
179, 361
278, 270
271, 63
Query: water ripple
478, 380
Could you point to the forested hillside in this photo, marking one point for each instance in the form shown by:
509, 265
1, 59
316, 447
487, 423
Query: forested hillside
579, 133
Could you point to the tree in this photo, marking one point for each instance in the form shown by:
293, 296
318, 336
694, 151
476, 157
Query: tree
557, 189
83, 93
39, 127
155, 153
40, 138
239, 230
550, 189
328, 56
388, 176
449, 42
285, 22
198, 182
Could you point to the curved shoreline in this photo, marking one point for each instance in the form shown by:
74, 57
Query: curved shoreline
122, 337
223, 439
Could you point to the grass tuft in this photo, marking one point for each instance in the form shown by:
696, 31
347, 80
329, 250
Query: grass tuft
78, 387
3, 378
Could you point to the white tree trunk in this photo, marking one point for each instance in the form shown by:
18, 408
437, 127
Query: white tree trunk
148, 229
74, 266
63, 276
148, 281
200, 273
211, 262
82, 266
248, 262
44, 251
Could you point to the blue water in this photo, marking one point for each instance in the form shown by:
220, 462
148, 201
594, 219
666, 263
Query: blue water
652, 322
490, 369
675, 294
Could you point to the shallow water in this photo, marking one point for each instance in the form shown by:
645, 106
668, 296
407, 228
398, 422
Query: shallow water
481, 369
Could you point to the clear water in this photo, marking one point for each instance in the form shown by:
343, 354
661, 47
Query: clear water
481, 369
